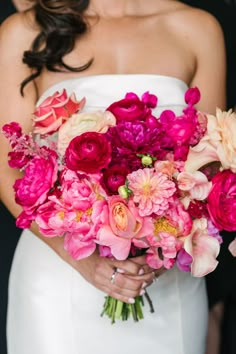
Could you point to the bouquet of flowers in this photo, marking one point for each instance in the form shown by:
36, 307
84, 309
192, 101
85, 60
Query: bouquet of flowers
127, 182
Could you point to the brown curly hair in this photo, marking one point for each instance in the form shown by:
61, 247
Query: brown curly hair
61, 23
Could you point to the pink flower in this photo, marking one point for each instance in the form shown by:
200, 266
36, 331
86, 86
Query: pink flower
40, 176
51, 219
221, 201
192, 96
54, 111
179, 218
196, 184
157, 261
132, 108
77, 192
184, 261
152, 191
203, 249
122, 227
77, 245
90, 152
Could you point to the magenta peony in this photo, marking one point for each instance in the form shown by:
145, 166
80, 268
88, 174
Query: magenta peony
40, 176
89, 152
222, 200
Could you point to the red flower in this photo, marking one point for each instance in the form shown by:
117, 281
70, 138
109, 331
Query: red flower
113, 178
89, 152
222, 201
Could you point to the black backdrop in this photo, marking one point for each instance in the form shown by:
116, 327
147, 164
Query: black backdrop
9, 234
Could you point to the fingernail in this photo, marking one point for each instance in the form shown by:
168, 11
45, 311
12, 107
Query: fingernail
120, 270
142, 292
144, 285
131, 300
141, 271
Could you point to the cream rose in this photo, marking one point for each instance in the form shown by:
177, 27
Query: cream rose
80, 123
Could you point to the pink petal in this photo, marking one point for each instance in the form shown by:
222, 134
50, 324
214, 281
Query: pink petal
120, 247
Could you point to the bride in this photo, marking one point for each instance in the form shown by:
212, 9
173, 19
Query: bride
102, 49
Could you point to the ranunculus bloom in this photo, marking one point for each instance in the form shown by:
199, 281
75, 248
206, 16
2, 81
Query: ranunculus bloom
89, 152
203, 249
54, 111
218, 144
123, 227
40, 176
221, 201
114, 177
81, 123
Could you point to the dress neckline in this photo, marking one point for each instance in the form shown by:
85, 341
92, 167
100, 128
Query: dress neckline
99, 77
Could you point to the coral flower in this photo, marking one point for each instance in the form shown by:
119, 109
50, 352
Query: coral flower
152, 191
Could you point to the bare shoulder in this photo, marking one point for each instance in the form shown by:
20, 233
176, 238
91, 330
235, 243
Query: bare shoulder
196, 22
18, 31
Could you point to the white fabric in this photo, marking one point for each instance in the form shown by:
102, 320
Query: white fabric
53, 310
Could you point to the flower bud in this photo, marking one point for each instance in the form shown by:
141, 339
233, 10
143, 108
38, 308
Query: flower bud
123, 192
146, 160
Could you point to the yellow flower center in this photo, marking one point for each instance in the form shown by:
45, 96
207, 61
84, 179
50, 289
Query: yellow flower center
78, 215
163, 225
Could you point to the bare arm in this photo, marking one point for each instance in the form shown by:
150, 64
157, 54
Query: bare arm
15, 36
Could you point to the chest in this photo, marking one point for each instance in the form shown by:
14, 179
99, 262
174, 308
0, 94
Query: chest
150, 46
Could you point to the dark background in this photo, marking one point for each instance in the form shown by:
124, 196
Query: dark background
222, 282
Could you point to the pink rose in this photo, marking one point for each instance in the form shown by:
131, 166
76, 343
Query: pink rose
40, 176
222, 201
89, 152
130, 108
54, 111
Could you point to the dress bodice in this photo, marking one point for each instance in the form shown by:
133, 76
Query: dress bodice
102, 90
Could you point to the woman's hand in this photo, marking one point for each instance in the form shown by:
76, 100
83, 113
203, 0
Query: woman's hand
123, 280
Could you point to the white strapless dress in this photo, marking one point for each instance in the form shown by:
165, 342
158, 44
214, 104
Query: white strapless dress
53, 310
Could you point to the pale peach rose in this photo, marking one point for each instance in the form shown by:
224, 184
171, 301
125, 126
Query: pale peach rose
203, 249
218, 144
80, 123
